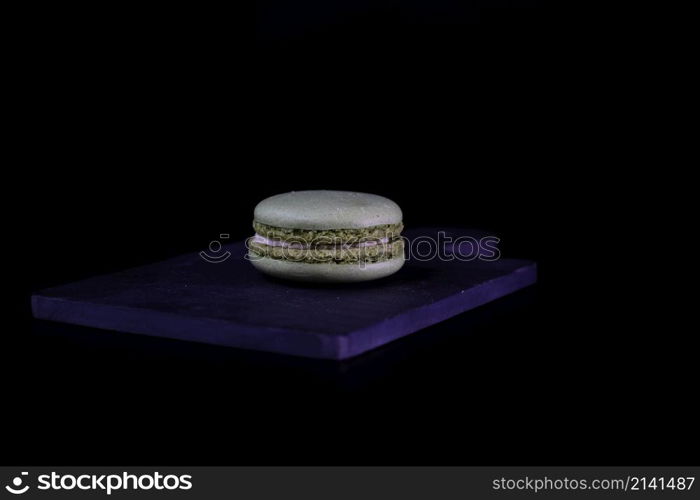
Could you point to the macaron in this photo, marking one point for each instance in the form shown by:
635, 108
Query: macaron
327, 236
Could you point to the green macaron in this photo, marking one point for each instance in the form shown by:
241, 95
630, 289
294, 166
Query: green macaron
327, 236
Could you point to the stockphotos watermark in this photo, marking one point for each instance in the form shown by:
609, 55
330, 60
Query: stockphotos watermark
360, 251
99, 483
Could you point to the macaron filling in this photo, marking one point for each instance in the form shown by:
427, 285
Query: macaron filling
388, 231
293, 244
340, 246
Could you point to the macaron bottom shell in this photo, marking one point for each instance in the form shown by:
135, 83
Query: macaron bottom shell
326, 272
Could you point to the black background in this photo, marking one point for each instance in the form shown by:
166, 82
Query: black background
153, 132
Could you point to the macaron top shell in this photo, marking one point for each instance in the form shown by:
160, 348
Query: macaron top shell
317, 210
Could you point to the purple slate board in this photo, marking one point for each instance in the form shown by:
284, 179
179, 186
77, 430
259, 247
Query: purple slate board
232, 304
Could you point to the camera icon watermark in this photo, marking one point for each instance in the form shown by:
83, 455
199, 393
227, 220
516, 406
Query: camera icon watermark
215, 254
16, 487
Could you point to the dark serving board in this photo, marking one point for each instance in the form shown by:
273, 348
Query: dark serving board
231, 304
